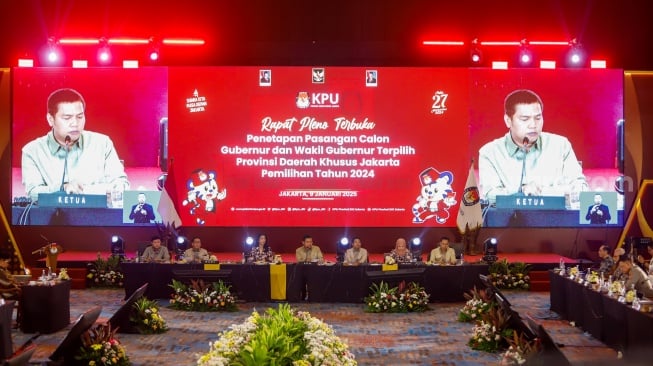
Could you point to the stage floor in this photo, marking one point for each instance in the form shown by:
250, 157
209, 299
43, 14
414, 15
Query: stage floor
538, 261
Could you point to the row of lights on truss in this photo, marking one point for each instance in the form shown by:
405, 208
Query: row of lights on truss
54, 50
575, 55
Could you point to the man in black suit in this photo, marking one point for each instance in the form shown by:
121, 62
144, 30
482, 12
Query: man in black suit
598, 213
142, 213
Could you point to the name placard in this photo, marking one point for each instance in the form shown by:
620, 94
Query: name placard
519, 202
211, 266
62, 199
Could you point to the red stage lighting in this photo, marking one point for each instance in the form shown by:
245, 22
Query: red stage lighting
183, 41
154, 55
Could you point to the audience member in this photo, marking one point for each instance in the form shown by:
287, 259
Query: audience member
196, 254
356, 254
156, 253
400, 253
308, 252
9, 288
617, 275
443, 254
635, 277
261, 252
607, 262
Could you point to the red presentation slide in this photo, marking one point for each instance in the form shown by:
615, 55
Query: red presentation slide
310, 146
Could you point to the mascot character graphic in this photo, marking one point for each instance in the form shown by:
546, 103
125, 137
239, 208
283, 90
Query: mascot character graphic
203, 194
435, 198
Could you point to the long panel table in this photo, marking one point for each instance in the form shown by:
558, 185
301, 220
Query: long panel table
333, 283
606, 319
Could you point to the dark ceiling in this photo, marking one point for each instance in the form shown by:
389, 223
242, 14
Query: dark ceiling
335, 32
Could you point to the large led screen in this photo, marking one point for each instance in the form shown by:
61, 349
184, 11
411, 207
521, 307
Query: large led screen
333, 146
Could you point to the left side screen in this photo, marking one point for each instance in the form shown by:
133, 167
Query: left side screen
117, 135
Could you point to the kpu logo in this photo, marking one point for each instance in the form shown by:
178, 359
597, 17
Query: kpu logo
317, 100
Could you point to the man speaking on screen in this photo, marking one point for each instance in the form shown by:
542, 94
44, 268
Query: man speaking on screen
527, 161
68, 158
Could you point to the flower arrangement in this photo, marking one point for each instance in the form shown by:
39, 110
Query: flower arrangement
146, 317
105, 273
593, 277
279, 337
573, 271
478, 303
100, 347
63, 275
401, 299
491, 333
521, 350
201, 297
486, 337
616, 287
631, 295
511, 276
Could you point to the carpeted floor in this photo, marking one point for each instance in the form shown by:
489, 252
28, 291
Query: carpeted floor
430, 338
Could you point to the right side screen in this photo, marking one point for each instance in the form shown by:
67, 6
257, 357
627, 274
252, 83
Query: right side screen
564, 176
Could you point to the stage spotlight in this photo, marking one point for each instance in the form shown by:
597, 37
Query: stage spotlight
53, 56
575, 56
53, 53
341, 247
525, 56
104, 54
247, 249
416, 249
476, 56
490, 246
154, 55
181, 244
117, 246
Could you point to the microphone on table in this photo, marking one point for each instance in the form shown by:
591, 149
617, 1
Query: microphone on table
524, 149
65, 162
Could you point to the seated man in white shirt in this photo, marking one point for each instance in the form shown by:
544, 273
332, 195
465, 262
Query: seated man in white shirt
196, 254
356, 254
443, 254
156, 253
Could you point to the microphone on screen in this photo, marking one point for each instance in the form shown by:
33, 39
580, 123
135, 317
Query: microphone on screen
524, 149
67, 141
